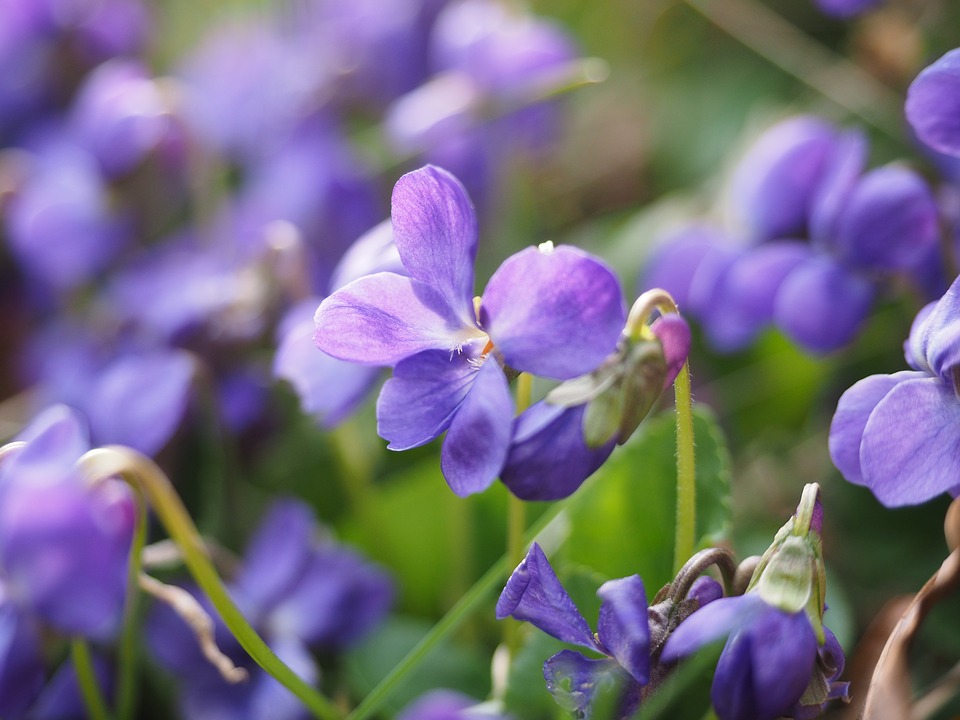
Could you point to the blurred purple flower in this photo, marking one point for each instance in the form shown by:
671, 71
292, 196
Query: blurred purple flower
448, 705
21, 658
553, 312
301, 592
933, 104
766, 663
897, 434
846, 8
64, 544
534, 594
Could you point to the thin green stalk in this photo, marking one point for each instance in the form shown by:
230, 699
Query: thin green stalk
141, 471
686, 529
129, 655
448, 624
87, 679
516, 520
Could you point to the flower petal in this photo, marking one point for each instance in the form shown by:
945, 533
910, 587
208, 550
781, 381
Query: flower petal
418, 403
710, 623
846, 165
821, 304
674, 335
672, 266
435, 230
574, 680
623, 627
477, 442
938, 336
534, 594
933, 104
783, 651
549, 458
383, 318
889, 221
21, 672
850, 419
555, 312
909, 450
373, 252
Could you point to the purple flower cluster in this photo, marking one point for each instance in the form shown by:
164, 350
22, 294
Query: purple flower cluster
302, 592
820, 237
555, 312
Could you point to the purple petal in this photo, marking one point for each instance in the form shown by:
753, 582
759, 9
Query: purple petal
745, 294
821, 305
573, 680
477, 442
447, 705
55, 440
555, 312
328, 388
372, 252
710, 623
845, 167
276, 556
139, 400
889, 221
534, 594
435, 229
775, 182
21, 661
623, 627
846, 8
850, 419
418, 403
909, 450
933, 104
705, 590
673, 265
914, 348
549, 458
382, 319
938, 337
337, 599
732, 691
674, 335
783, 651
268, 698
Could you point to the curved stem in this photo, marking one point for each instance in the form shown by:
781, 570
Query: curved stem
127, 689
139, 470
516, 520
695, 566
87, 679
449, 622
686, 526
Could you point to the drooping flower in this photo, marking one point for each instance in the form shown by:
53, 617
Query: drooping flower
555, 312
898, 434
534, 594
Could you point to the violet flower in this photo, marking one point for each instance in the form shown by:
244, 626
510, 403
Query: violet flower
552, 312
63, 543
21, 658
534, 594
300, 592
933, 104
897, 434
846, 8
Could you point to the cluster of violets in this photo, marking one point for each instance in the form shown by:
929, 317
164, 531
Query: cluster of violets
779, 659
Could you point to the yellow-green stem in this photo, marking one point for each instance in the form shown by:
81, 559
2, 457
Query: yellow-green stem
516, 520
87, 679
685, 537
140, 471
127, 684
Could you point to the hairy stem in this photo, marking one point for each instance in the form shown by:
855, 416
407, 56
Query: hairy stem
516, 521
686, 527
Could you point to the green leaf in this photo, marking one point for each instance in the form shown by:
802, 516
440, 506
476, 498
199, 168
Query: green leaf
623, 522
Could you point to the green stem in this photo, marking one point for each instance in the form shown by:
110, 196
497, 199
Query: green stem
516, 520
140, 471
127, 685
686, 528
87, 679
472, 599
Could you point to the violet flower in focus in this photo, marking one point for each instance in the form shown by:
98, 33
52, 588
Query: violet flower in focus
552, 312
898, 434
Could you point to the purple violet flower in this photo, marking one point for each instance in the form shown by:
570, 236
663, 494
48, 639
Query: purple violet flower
933, 104
534, 594
766, 663
553, 312
897, 434
64, 544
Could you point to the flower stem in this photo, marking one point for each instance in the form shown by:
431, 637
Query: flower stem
686, 526
127, 686
87, 679
449, 622
516, 520
140, 471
